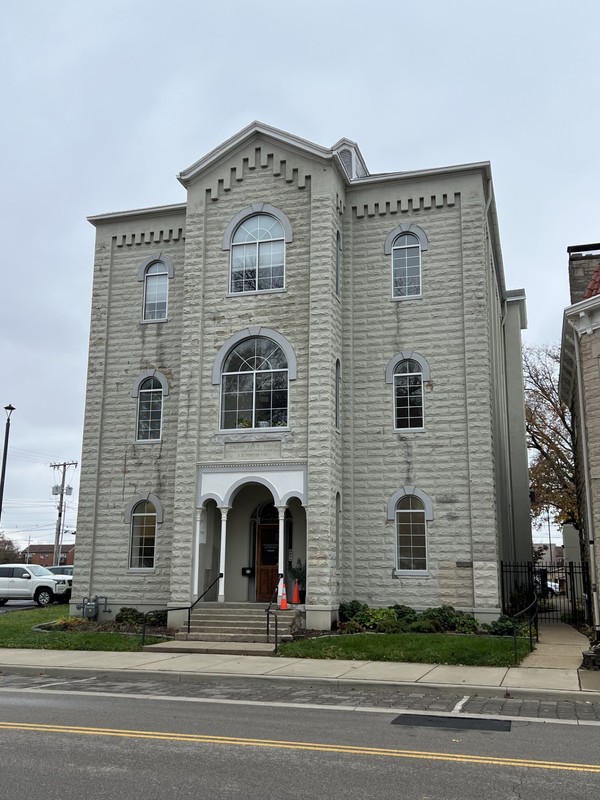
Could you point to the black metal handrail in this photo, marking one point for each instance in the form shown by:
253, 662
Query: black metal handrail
269, 611
179, 608
532, 622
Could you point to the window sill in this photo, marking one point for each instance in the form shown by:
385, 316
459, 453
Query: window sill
406, 297
283, 290
411, 573
254, 435
153, 321
141, 570
148, 441
409, 430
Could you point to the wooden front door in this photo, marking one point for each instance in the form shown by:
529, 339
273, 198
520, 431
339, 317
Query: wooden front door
267, 562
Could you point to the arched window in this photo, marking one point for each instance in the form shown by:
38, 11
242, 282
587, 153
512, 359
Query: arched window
406, 266
156, 291
408, 395
254, 385
258, 254
338, 391
338, 263
150, 404
143, 536
411, 534
155, 273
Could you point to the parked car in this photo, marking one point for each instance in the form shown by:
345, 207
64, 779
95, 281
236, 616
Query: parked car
61, 570
63, 573
552, 587
30, 582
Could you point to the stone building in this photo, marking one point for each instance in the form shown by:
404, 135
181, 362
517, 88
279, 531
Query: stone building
304, 362
580, 391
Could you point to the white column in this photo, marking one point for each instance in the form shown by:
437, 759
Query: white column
223, 510
281, 510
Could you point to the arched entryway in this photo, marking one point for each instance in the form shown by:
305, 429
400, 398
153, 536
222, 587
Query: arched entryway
252, 531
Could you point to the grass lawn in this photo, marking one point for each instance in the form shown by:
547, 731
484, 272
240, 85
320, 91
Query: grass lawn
16, 630
426, 648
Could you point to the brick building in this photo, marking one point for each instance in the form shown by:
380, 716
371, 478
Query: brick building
304, 362
580, 390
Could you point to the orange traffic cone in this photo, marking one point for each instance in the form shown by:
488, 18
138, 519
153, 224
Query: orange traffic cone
284, 603
296, 594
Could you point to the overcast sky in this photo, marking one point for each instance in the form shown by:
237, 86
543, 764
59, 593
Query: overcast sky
104, 103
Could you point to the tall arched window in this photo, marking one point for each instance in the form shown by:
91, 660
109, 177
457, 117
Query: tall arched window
338, 392
150, 404
156, 291
411, 534
338, 263
143, 536
258, 254
408, 395
254, 385
406, 266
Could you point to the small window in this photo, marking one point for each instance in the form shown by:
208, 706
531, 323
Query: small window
411, 535
143, 536
406, 266
408, 395
150, 405
254, 385
258, 255
156, 291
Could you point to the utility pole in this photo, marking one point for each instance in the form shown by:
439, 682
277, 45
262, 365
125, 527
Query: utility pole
59, 521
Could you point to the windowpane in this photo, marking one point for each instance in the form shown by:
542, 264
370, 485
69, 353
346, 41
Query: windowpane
254, 388
143, 536
258, 255
406, 266
150, 400
156, 286
408, 394
411, 534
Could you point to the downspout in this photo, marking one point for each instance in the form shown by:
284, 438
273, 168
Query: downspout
587, 479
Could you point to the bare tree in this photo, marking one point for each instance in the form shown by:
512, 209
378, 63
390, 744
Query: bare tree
550, 438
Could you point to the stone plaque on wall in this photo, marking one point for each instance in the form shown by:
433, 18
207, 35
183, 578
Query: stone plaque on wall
252, 451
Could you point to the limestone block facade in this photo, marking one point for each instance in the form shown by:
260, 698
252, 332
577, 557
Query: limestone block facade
580, 390
304, 362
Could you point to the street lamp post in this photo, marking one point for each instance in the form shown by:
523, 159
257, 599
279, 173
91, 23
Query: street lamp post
9, 409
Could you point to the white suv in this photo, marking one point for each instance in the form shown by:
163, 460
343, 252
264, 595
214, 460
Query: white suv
30, 582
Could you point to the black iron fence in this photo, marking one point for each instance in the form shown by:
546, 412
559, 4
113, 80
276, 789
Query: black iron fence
562, 590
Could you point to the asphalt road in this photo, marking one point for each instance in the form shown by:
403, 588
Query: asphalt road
58, 745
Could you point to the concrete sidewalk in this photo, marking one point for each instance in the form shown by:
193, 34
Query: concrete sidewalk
552, 667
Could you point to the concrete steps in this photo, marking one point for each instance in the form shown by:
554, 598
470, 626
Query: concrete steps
235, 622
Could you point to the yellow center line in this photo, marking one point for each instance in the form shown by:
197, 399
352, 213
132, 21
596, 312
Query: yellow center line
311, 746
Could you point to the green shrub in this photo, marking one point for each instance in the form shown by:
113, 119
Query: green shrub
444, 618
129, 616
421, 625
466, 623
352, 626
405, 614
349, 610
503, 626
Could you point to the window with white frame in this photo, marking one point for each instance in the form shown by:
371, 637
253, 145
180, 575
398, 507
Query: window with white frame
408, 395
155, 272
411, 534
338, 263
156, 291
406, 266
150, 407
258, 255
254, 385
143, 535
338, 391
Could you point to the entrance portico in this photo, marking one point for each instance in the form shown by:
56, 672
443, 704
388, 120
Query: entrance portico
246, 515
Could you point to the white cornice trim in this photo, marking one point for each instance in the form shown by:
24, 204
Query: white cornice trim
255, 128
383, 177
580, 319
138, 213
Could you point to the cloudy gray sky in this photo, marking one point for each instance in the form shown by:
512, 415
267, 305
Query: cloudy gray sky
104, 103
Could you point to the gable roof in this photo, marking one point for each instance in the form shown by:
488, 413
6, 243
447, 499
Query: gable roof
248, 133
